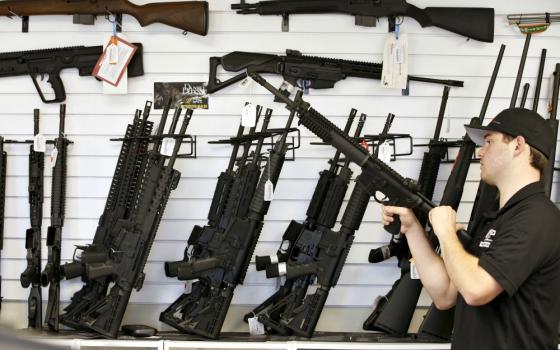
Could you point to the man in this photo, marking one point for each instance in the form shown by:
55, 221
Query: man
506, 283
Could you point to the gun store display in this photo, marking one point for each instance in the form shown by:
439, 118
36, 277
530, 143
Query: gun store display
271, 219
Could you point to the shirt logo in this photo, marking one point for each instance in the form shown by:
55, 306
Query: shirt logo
488, 239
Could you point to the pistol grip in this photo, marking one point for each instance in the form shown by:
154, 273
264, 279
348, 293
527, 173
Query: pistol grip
56, 84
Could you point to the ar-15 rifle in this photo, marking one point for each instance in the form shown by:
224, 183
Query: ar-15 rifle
390, 316
475, 23
190, 16
299, 70
223, 263
301, 241
32, 274
129, 241
51, 275
376, 176
118, 203
3, 162
38, 63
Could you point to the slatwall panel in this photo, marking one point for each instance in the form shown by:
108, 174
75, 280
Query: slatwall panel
93, 118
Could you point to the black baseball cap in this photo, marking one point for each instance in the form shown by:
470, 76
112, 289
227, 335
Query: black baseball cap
518, 122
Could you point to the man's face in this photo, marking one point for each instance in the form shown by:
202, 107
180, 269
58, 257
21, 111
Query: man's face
495, 157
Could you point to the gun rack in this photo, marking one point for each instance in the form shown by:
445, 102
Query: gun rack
186, 139
30, 142
374, 140
448, 144
271, 135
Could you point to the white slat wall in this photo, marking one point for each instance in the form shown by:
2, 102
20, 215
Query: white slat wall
93, 118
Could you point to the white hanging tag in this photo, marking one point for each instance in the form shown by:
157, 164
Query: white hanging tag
113, 51
39, 143
268, 191
245, 83
395, 61
413, 271
54, 155
188, 287
385, 152
167, 146
249, 115
255, 327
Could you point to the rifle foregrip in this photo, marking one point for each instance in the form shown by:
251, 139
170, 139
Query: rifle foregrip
223, 188
475, 23
73, 270
356, 208
334, 198
271, 172
429, 172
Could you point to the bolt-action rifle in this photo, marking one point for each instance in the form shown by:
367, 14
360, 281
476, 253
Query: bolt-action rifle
32, 274
375, 177
190, 16
38, 63
51, 275
221, 256
3, 162
299, 70
475, 23
128, 241
302, 241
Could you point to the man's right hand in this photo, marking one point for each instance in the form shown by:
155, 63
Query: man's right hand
409, 222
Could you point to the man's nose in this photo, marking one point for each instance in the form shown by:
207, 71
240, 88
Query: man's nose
480, 152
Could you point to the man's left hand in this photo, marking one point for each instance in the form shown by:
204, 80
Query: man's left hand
444, 221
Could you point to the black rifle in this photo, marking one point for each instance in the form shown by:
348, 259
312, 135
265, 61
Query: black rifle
51, 275
118, 202
475, 23
549, 172
3, 162
375, 177
223, 262
129, 240
301, 241
439, 323
32, 274
299, 70
38, 63
393, 312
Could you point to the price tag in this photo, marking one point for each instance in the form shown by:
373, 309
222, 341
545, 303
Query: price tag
112, 69
268, 191
39, 143
395, 61
167, 146
54, 155
255, 327
249, 115
385, 152
188, 287
413, 271
245, 83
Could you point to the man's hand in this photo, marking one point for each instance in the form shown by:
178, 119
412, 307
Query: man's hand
409, 221
444, 221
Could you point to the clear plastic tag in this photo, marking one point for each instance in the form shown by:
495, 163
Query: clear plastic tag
385, 152
395, 61
413, 271
255, 327
249, 115
39, 143
113, 51
268, 191
245, 83
167, 146
54, 155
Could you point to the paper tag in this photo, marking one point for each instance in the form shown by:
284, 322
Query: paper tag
167, 146
385, 151
188, 287
395, 62
113, 73
268, 191
113, 51
413, 271
54, 155
255, 327
39, 143
249, 115
245, 83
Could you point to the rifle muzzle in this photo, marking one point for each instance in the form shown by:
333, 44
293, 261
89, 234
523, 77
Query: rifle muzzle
25, 278
47, 275
73, 270
262, 262
190, 270
172, 268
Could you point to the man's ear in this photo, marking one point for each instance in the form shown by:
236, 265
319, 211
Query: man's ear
520, 144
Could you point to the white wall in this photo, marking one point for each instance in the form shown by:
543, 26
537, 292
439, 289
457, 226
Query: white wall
92, 118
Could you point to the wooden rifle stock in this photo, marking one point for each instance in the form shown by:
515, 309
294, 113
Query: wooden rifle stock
190, 16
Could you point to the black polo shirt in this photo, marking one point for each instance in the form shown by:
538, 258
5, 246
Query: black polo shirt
519, 245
